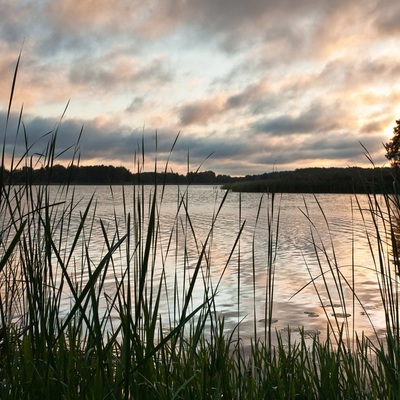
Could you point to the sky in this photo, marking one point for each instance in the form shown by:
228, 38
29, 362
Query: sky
249, 86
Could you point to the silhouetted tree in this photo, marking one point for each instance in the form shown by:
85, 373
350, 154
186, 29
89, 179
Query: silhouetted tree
393, 147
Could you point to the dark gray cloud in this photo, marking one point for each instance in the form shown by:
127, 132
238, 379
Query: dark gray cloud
110, 75
135, 104
199, 113
316, 119
387, 15
375, 126
253, 93
285, 125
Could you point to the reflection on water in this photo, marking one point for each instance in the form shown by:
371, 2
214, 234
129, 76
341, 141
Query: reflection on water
314, 234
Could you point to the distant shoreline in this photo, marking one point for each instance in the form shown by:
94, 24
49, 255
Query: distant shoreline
305, 180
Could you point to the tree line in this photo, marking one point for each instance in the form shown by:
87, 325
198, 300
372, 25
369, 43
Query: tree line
319, 180
305, 180
108, 174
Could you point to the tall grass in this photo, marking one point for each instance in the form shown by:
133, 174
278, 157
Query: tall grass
115, 343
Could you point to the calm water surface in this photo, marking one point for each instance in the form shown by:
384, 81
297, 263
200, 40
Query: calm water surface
337, 235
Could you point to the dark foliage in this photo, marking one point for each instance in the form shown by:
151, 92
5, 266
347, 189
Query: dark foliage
319, 180
393, 147
306, 180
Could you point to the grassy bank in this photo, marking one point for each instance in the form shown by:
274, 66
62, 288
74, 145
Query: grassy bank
112, 343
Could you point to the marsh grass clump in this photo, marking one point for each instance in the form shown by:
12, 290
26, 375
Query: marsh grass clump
79, 323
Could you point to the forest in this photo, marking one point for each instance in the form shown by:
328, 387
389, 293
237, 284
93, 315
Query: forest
319, 180
304, 180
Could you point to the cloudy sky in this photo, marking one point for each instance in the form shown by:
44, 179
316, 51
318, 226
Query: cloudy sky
262, 85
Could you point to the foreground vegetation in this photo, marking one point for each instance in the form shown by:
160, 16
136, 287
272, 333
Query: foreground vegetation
128, 350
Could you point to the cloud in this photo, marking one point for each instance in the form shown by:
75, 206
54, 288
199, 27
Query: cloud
387, 17
119, 71
315, 119
253, 97
200, 112
314, 151
70, 17
375, 126
253, 93
251, 82
285, 125
353, 73
135, 105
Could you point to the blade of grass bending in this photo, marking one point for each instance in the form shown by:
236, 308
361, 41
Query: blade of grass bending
239, 271
90, 282
188, 297
79, 299
253, 262
272, 253
237, 239
174, 332
198, 168
11, 247
184, 385
75, 155
146, 258
12, 168
367, 154
80, 228
13, 88
9, 112
167, 163
95, 327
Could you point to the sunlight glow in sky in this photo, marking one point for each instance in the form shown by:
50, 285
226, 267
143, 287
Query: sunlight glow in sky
261, 85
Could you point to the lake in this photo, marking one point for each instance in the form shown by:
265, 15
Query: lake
333, 233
